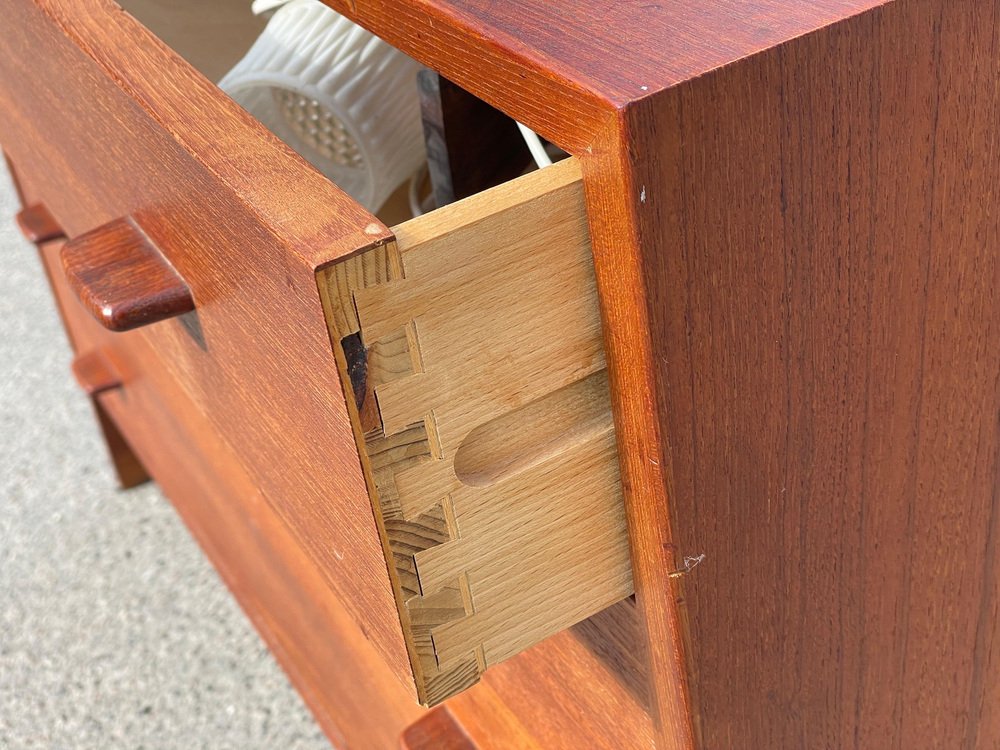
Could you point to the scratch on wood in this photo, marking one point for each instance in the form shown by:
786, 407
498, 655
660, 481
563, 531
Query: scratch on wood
690, 563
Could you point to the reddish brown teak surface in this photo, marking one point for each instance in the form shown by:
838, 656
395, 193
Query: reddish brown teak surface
791, 206
122, 278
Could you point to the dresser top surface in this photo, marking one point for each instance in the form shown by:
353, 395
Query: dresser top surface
622, 50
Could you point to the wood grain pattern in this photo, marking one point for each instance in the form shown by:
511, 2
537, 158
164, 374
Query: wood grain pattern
110, 123
565, 68
790, 207
158, 374
566, 693
569, 74
521, 704
821, 259
94, 373
37, 224
127, 467
559, 695
95, 28
122, 278
616, 637
615, 196
491, 430
771, 150
330, 659
570, 113
437, 730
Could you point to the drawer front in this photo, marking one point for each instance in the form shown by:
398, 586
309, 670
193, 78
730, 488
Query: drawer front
327, 657
107, 123
481, 408
464, 501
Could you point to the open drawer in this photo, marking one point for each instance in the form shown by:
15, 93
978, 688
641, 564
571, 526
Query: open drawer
463, 499
472, 347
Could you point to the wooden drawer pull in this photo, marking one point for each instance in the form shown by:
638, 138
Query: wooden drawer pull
38, 225
95, 373
122, 278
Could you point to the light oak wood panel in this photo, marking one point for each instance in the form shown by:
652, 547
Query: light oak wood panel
582, 688
482, 409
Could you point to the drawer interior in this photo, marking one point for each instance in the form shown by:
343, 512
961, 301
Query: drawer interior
471, 355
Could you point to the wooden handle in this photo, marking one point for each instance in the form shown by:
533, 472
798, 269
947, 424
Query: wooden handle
38, 225
122, 278
95, 373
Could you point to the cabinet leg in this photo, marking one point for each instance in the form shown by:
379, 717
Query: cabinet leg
127, 465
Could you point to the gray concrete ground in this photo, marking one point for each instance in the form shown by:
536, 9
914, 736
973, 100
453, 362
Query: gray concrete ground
115, 632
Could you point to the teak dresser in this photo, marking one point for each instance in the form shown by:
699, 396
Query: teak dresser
691, 440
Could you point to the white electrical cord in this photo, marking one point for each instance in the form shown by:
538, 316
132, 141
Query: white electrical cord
416, 205
535, 146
